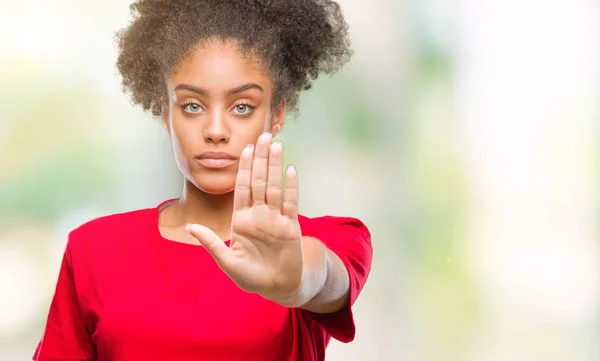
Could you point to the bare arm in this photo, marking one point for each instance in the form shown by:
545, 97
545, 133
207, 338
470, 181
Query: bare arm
326, 284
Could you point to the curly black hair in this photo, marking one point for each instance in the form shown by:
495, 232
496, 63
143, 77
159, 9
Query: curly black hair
295, 39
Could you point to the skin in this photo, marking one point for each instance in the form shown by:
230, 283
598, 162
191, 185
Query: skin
220, 100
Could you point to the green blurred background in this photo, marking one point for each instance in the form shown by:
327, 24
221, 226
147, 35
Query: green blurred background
463, 133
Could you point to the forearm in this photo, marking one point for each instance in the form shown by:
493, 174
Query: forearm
326, 283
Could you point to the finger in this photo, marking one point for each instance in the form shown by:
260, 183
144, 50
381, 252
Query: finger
211, 242
275, 178
259, 168
242, 192
290, 198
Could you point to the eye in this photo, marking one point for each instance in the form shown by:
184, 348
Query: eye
192, 108
243, 109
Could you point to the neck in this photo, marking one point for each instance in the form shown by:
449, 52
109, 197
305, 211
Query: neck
211, 210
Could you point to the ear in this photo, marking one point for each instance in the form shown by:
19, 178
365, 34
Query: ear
164, 109
278, 119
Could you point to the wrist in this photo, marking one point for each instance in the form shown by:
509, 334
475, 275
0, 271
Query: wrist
314, 274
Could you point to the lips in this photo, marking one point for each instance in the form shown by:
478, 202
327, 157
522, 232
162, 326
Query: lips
215, 163
215, 160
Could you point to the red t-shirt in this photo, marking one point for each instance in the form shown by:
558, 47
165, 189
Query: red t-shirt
125, 293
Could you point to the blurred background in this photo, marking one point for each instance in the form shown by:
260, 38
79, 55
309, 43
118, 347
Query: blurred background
464, 133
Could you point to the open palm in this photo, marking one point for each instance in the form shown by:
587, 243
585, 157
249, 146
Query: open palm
265, 252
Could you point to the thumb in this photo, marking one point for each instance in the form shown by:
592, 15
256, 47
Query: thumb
210, 241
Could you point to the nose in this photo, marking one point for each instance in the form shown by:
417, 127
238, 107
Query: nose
216, 131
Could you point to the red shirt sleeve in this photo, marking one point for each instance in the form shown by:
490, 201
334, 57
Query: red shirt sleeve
350, 240
65, 337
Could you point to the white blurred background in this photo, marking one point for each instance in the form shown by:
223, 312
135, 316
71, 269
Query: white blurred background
464, 133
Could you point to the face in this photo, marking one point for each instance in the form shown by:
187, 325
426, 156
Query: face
219, 102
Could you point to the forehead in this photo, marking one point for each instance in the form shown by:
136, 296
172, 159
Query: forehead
218, 65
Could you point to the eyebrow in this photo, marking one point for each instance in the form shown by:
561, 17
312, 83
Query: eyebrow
229, 92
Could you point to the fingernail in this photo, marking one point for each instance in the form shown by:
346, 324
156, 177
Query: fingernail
250, 146
187, 227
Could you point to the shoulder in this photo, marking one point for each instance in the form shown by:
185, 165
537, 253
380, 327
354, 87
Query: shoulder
102, 232
343, 235
112, 222
323, 224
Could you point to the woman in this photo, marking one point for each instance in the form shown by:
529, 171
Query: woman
229, 270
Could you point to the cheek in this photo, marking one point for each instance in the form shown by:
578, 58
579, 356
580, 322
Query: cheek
249, 132
183, 138
185, 134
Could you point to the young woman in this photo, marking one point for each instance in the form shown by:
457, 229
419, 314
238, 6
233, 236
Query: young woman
229, 270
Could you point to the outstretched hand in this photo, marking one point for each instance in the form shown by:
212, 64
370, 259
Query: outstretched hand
265, 252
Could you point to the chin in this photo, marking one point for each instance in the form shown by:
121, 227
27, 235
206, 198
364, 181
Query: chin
215, 190
214, 183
